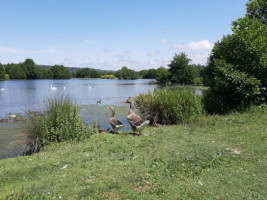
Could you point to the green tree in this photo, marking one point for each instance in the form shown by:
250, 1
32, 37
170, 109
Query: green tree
60, 72
15, 71
180, 71
238, 66
2, 72
88, 73
125, 73
257, 9
150, 74
30, 69
163, 75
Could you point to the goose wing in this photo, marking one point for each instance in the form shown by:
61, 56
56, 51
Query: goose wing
135, 120
115, 122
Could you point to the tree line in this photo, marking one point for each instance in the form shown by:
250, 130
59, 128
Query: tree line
29, 70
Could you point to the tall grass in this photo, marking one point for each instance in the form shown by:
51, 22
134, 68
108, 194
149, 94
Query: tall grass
170, 105
61, 122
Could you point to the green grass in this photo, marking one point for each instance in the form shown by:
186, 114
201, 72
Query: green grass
220, 157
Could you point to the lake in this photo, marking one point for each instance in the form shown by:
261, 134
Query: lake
20, 96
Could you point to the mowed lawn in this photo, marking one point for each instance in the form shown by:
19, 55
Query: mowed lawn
220, 157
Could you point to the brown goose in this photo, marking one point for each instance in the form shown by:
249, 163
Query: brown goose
114, 122
135, 120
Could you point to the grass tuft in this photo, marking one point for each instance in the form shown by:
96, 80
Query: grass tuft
171, 105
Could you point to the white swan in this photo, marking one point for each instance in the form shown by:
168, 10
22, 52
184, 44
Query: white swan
53, 88
89, 87
64, 87
2, 89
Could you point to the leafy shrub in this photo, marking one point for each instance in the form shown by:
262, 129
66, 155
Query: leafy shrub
231, 90
60, 122
170, 105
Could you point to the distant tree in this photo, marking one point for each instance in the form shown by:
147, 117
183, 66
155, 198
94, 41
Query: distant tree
180, 71
88, 73
125, 73
163, 75
150, 74
15, 71
2, 72
30, 69
60, 72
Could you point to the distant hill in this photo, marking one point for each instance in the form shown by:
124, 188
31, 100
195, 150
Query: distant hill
73, 69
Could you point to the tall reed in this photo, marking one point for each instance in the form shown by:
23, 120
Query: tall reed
171, 105
61, 121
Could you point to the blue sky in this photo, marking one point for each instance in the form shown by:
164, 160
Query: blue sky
109, 34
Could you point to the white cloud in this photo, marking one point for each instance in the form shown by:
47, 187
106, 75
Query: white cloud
203, 45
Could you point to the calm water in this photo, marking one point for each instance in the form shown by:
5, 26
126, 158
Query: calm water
22, 95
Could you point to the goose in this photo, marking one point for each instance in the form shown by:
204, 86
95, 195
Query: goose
135, 121
53, 88
98, 101
114, 122
2, 89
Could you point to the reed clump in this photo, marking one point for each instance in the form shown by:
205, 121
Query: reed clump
61, 121
170, 105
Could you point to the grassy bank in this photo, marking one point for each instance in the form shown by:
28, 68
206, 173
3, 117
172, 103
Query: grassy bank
221, 157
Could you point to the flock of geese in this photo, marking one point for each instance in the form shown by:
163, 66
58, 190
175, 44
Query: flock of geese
135, 121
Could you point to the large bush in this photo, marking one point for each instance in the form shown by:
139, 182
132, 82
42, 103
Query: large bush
232, 90
170, 105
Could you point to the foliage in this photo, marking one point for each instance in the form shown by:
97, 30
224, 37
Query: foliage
180, 70
88, 73
220, 157
30, 69
125, 73
232, 90
257, 9
62, 121
108, 76
170, 105
149, 74
2, 72
60, 72
242, 54
15, 71
163, 75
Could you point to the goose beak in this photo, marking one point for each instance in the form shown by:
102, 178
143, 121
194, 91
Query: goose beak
126, 102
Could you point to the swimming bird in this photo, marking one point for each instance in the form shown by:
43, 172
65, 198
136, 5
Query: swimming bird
89, 87
114, 122
98, 101
135, 121
2, 89
3, 120
53, 88
64, 87
12, 115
